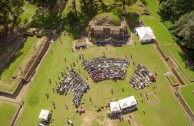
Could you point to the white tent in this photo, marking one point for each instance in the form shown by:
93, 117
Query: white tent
127, 102
44, 114
114, 106
145, 34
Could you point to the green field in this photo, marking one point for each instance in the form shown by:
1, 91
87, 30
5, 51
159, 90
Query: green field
161, 109
7, 73
100, 92
7, 111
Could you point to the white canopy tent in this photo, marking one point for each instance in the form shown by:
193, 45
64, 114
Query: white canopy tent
114, 106
127, 102
44, 114
145, 34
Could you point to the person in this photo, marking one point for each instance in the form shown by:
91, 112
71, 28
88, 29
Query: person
47, 95
53, 103
143, 111
122, 89
90, 99
112, 91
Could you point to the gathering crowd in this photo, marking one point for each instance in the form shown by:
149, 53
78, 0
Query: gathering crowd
142, 77
103, 68
72, 82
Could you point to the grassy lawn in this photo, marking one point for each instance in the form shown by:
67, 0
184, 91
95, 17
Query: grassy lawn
152, 6
54, 63
134, 8
7, 111
173, 80
165, 51
29, 11
7, 73
175, 51
188, 95
160, 31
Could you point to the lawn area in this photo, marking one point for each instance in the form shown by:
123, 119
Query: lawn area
134, 8
152, 6
7, 111
29, 11
54, 63
175, 51
160, 31
8, 72
188, 95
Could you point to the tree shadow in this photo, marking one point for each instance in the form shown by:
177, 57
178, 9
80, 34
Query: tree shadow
11, 60
189, 64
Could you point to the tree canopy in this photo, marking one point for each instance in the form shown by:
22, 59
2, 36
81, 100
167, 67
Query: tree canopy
185, 29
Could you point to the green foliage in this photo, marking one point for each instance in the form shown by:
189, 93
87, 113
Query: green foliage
173, 9
9, 12
185, 29
45, 3
169, 24
118, 11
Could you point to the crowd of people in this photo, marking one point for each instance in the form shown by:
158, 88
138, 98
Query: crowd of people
104, 43
103, 68
72, 82
142, 77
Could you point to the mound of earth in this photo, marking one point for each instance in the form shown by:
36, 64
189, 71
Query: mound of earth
107, 19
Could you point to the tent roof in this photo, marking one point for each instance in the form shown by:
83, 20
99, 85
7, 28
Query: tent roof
145, 33
44, 114
127, 102
114, 106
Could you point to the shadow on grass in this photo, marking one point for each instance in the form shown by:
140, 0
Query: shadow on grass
12, 60
189, 64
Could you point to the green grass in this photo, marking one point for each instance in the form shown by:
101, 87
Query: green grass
134, 8
175, 51
160, 31
29, 11
54, 64
112, 18
95, 123
164, 51
7, 111
152, 6
108, 2
181, 74
188, 95
8, 72
173, 80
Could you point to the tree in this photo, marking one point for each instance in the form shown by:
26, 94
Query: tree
173, 9
9, 13
184, 28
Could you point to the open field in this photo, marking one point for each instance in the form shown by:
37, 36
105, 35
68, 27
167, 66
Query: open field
160, 110
7, 111
100, 92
